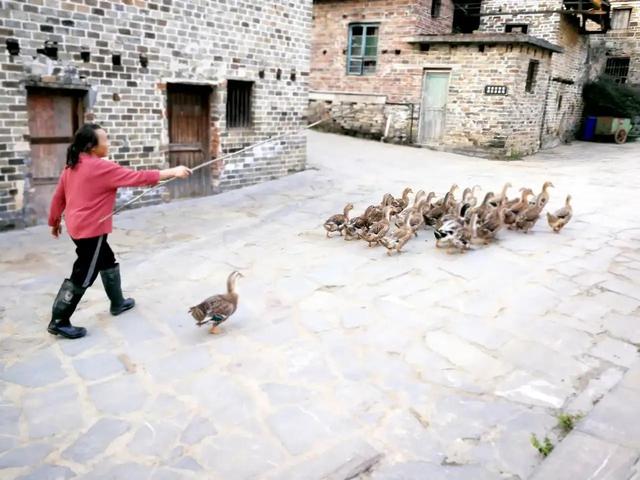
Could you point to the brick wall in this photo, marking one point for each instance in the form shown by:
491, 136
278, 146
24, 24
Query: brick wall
478, 123
570, 69
206, 45
398, 19
623, 42
497, 126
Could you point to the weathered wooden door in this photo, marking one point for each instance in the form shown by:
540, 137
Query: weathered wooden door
433, 109
54, 116
189, 130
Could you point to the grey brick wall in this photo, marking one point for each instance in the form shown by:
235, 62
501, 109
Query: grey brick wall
203, 42
563, 109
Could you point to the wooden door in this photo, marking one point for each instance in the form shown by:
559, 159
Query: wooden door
434, 106
54, 116
189, 129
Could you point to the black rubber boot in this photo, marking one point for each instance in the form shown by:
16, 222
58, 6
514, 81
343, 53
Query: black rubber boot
63, 307
111, 282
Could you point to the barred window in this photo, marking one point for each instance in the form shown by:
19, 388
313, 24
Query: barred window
618, 69
532, 73
239, 100
363, 49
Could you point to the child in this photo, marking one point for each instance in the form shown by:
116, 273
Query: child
86, 193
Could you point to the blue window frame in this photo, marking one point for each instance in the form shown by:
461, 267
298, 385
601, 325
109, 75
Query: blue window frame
363, 48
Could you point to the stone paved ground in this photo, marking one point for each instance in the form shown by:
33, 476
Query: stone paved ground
339, 359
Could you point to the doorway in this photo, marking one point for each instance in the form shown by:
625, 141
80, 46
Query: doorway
53, 118
433, 108
189, 137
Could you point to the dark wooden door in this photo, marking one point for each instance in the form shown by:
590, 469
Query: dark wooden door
189, 130
54, 116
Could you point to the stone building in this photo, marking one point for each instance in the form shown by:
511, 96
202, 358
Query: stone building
497, 77
617, 53
172, 81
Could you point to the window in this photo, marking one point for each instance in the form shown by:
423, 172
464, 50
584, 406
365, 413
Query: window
239, 103
363, 49
618, 69
516, 28
620, 18
532, 73
435, 8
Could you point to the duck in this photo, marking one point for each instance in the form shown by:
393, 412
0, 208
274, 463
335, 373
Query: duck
462, 238
452, 190
491, 224
526, 220
543, 197
485, 206
438, 210
560, 217
338, 222
218, 308
379, 229
415, 212
400, 237
399, 204
357, 225
469, 196
516, 206
497, 199
447, 231
420, 195
377, 212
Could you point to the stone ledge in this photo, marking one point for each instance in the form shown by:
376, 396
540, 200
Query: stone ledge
485, 39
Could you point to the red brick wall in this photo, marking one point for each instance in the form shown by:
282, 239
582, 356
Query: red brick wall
398, 19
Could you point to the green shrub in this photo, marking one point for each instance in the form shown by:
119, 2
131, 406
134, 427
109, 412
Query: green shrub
606, 98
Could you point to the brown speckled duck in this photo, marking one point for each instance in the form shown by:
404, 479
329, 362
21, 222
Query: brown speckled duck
217, 308
399, 204
516, 206
379, 229
561, 217
526, 220
338, 222
543, 197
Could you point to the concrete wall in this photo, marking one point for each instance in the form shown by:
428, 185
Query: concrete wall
206, 43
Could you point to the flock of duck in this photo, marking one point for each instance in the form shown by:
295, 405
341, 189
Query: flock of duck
458, 225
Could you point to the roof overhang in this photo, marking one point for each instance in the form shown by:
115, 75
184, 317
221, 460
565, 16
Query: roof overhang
485, 39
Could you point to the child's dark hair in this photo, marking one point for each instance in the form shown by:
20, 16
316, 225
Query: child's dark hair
83, 141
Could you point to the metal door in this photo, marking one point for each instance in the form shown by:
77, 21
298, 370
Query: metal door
433, 109
189, 129
54, 116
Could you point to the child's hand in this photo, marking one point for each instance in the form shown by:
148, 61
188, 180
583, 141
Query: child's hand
56, 231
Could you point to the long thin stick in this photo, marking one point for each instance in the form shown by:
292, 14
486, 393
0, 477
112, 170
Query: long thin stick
213, 160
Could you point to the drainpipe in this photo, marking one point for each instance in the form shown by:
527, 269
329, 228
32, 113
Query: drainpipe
412, 109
